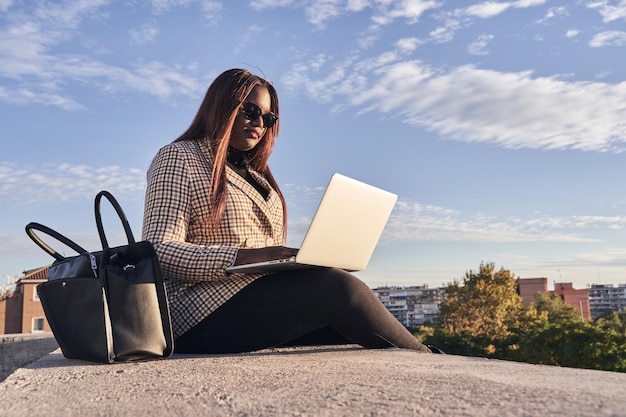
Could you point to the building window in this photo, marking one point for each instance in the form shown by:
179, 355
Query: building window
35, 294
38, 323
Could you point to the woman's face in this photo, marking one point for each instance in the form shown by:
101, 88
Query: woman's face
246, 134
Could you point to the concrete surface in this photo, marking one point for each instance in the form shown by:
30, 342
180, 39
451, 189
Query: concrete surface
310, 381
17, 350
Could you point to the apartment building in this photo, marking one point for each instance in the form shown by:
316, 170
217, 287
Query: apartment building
20, 308
579, 299
606, 298
412, 306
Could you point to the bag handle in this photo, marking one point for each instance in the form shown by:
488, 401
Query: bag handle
120, 213
30, 231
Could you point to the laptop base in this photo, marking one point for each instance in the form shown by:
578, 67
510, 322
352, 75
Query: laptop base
265, 267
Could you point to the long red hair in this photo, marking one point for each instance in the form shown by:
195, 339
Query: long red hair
214, 122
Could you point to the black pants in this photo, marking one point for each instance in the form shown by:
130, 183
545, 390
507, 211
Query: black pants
312, 306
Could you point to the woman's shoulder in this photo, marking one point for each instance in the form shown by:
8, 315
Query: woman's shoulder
184, 154
186, 150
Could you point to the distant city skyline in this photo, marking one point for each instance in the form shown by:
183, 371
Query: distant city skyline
10, 280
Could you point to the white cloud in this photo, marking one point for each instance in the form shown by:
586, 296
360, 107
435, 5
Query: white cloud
610, 10
404, 47
65, 182
160, 80
322, 88
456, 19
415, 222
520, 4
608, 38
211, 10
572, 33
269, 4
163, 6
24, 96
512, 110
408, 44
479, 46
411, 10
67, 14
145, 34
36, 74
552, 13
603, 74
446, 32
487, 9
320, 12
247, 37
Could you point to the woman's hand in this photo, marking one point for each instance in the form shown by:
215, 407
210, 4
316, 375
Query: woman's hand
248, 256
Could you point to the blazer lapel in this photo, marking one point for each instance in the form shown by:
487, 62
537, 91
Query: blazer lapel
271, 208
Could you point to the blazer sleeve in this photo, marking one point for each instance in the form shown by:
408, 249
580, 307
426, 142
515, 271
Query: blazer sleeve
167, 215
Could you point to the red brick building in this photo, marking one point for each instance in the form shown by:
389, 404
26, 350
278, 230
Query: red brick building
528, 287
20, 309
579, 299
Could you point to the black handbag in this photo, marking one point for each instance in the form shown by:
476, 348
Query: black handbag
106, 306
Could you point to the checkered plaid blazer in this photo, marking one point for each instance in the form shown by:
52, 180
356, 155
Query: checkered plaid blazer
194, 256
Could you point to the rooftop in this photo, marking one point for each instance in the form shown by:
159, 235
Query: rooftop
310, 381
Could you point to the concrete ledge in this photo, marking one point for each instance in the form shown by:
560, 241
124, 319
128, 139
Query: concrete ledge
17, 350
310, 381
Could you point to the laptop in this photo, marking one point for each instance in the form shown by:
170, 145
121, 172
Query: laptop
343, 233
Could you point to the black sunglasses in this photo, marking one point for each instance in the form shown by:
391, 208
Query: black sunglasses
253, 112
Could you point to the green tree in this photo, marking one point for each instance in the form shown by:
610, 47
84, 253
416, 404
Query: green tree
556, 309
615, 320
573, 344
485, 302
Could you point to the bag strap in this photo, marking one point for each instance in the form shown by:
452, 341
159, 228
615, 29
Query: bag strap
120, 213
30, 231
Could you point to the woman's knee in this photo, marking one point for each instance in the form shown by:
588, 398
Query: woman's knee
341, 282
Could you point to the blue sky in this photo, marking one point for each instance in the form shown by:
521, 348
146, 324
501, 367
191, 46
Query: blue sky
501, 125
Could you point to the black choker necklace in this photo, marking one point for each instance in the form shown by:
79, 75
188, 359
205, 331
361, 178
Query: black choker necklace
235, 157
